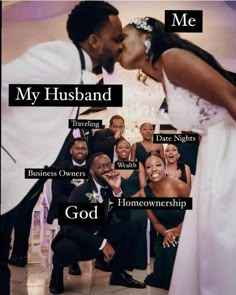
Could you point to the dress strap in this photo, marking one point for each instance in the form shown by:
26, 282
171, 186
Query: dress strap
168, 50
148, 191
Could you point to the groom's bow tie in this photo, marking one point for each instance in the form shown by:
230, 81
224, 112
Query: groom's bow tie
98, 71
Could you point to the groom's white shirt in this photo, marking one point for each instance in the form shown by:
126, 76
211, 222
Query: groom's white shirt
33, 136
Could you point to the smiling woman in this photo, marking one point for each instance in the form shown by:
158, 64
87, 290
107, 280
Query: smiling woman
167, 223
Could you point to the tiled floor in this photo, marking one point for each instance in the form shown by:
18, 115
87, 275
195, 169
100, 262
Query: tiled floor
34, 278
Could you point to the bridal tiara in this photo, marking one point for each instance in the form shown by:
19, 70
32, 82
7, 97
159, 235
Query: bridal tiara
141, 24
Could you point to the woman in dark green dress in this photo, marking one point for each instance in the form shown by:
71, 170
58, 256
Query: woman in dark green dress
140, 150
132, 180
167, 223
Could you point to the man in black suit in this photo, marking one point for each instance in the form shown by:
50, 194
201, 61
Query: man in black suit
62, 187
105, 140
85, 242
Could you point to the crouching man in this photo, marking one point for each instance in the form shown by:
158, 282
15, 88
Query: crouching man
85, 242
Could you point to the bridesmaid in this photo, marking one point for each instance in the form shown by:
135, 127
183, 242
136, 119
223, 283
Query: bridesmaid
167, 222
131, 182
175, 168
141, 150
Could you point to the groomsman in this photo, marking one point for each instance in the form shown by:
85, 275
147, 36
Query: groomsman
85, 242
106, 139
63, 187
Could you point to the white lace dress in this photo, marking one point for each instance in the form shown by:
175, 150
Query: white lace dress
206, 259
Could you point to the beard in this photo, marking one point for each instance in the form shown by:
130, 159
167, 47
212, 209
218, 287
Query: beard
107, 62
109, 66
100, 179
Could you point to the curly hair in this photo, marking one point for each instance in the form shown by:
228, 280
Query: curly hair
88, 17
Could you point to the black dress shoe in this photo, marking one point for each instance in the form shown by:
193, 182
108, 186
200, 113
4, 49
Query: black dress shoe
19, 261
103, 266
130, 278
126, 280
74, 269
56, 285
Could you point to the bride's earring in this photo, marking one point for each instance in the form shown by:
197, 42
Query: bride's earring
147, 44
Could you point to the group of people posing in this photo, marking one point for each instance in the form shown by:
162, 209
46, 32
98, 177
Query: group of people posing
121, 243
159, 174
201, 97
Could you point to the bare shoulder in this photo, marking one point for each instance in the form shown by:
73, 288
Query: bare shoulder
176, 55
185, 69
168, 181
173, 53
169, 187
181, 188
174, 183
178, 59
183, 66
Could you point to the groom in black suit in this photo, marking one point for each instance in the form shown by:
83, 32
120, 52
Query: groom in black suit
85, 242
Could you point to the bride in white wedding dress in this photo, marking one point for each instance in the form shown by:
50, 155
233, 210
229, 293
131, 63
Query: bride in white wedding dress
201, 97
